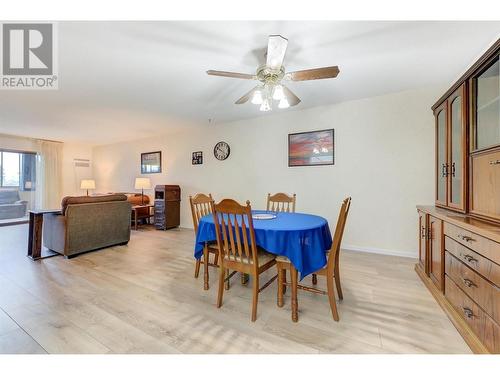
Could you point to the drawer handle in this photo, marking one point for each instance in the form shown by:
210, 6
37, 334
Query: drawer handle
465, 238
469, 283
470, 258
494, 162
468, 312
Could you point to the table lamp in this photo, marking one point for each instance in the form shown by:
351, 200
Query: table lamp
87, 184
142, 183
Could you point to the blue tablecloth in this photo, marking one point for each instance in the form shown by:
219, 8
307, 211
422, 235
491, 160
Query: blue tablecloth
302, 238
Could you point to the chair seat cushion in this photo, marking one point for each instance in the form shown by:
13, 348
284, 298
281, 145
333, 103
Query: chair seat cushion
263, 257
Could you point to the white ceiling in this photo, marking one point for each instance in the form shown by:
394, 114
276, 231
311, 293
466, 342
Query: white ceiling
121, 80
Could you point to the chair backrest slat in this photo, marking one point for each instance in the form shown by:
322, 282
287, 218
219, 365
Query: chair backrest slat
333, 258
281, 202
237, 243
200, 206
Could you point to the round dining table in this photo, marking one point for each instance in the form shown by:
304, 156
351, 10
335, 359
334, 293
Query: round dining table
302, 238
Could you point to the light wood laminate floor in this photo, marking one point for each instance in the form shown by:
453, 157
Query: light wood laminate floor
142, 298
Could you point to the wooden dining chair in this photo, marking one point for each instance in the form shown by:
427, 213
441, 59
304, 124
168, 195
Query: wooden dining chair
331, 271
280, 202
238, 249
201, 206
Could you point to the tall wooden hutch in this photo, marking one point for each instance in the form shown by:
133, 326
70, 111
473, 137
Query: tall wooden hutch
459, 237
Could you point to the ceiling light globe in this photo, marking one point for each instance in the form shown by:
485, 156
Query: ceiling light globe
283, 103
278, 93
265, 106
257, 97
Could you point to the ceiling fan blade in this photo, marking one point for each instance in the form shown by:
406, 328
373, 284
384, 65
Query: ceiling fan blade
221, 73
276, 48
310, 74
246, 97
291, 97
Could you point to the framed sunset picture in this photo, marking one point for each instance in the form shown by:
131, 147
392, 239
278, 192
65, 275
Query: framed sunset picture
311, 148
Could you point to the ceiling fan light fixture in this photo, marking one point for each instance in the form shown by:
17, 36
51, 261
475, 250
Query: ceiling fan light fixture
278, 93
283, 103
265, 106
257, 97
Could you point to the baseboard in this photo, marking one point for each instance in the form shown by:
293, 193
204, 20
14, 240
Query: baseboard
374, 250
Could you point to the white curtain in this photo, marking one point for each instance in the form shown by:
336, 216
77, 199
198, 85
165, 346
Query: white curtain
49, 174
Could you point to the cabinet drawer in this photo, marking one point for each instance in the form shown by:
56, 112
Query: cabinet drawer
481, 245
480, 264
482, 325
485, 175
486, 295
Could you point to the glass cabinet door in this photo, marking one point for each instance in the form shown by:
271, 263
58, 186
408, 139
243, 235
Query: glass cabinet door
441, 160
456, 150
486, 108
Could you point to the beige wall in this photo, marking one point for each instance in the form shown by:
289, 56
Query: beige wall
384, 152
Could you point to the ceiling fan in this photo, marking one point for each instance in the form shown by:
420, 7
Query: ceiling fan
271, 77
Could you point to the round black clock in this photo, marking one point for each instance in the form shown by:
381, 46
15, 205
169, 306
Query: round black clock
222, 151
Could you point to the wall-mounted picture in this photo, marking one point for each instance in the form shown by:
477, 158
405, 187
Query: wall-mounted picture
311, 148
197, 158
151, 162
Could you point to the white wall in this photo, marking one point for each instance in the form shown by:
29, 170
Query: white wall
384, 153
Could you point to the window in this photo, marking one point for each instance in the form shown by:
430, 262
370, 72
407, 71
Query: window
10, 163
17, 170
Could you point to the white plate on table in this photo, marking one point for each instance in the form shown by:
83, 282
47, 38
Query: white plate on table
263, 216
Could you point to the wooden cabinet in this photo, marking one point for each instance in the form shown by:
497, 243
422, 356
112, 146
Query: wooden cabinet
451, 151
436, 251
459, 240
422, 242
485, 184
462, 256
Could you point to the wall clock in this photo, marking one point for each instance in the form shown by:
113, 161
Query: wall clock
222, 151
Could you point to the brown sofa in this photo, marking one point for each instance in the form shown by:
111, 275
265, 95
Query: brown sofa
88, 223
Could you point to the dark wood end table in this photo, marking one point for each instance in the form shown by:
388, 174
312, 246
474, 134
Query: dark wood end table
35, 235
136, 217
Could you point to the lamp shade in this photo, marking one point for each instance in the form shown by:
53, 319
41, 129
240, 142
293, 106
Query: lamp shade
142, 183
87, 184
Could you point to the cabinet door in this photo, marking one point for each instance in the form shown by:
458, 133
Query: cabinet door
436, 253
441, 155
485, 175
457, 155
422, 241
485, 108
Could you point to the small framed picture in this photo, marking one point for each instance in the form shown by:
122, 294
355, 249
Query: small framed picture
151, 162
311, 148
197, 158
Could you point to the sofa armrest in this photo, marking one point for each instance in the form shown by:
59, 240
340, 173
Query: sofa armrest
54, 232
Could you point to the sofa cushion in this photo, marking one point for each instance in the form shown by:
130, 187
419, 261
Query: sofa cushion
9, 196
90, 199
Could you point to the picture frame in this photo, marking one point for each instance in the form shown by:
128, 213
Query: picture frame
151, 162
311, 148
197, 158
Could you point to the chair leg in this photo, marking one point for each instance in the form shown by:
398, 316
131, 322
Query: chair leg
331, 297
295, 305
244, 278
205, 268
280, 286
216, 259
255, 298
197, 268
315, 279
284, 280
227, 285
220, 293
337, 283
